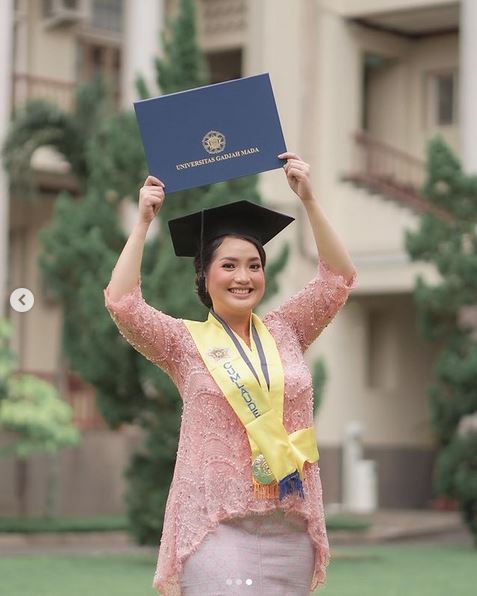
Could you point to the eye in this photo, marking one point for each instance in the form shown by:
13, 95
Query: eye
256, 266
227, 265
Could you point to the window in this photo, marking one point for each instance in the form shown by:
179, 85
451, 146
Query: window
51, 6
442, 99
383, 349
47, 8
107, 14
96, 59
225, 65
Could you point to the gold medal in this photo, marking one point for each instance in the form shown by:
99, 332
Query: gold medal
261, 472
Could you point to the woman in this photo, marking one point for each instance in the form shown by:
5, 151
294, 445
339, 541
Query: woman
244, 513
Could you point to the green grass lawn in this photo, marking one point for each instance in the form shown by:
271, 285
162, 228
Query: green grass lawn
361, 571
402, 570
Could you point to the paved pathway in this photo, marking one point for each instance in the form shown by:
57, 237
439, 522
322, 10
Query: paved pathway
407, 525
403, 526
70, 543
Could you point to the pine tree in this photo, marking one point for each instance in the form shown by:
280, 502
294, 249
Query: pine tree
451, 246
79, 249
42, 123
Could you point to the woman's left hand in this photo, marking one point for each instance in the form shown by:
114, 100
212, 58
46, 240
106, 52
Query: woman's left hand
298, 175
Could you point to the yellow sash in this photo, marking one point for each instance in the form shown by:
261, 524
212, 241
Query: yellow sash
252, 381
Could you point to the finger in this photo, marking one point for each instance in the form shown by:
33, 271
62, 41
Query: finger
296, 173
296, 176
296, 164
155, 205
302, 171
289, 155
153, 181
154, 191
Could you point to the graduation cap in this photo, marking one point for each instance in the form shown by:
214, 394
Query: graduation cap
191, 232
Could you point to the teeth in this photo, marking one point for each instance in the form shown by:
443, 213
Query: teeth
234, 291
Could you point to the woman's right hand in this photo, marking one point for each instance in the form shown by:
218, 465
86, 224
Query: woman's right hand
151, 197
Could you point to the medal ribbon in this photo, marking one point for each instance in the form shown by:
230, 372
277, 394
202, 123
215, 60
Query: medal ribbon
252, 381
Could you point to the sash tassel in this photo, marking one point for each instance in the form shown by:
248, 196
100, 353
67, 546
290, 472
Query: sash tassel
291, 484
265, 491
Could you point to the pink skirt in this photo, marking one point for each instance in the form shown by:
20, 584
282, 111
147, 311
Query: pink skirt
266, 555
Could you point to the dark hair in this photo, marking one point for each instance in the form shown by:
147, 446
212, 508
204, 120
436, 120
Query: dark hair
207, 255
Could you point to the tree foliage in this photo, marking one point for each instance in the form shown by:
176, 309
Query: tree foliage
319, 376
30, 408
34, 417
456, 476
40, 123
451, 246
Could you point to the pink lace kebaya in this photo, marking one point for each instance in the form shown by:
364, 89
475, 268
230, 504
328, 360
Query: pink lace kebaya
212, 477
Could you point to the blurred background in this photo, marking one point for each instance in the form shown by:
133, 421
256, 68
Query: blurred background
379, 96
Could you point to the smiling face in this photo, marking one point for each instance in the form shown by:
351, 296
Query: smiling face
235, 279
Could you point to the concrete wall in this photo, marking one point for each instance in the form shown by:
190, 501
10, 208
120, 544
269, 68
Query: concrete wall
44, 43
399, 93
91, 476
404, 475
38, 332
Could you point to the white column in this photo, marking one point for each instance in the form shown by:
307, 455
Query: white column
468, 85
6, 39
339, 100
143, 23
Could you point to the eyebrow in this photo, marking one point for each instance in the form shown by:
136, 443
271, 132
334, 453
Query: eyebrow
235, 259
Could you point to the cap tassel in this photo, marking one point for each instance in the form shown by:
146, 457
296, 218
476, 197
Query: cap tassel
291, 484
202, 277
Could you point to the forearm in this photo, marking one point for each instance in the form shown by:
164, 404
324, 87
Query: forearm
330, 247
128, 267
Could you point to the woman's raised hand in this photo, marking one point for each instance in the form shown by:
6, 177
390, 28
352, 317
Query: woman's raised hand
151, 197
298, 175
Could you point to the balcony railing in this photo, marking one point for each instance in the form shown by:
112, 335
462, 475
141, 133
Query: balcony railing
221, 24
79, 395
378, 159
26, 87
390, 172
61, 93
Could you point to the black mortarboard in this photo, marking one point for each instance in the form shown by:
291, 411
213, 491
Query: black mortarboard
240, 217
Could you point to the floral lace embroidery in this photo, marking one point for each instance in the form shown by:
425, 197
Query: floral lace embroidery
212, 480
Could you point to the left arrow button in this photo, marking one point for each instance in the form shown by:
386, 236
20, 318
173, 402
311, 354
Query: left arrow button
22, 299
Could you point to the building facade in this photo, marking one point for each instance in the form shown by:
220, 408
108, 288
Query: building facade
361, 85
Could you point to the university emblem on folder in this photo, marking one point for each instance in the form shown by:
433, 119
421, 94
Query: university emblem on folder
214, 142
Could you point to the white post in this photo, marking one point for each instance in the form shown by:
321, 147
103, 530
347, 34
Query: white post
360, 488
468, 85
352, 454
143, 23
6, 38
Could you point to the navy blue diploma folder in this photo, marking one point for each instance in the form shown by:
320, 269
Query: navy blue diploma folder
212, 133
